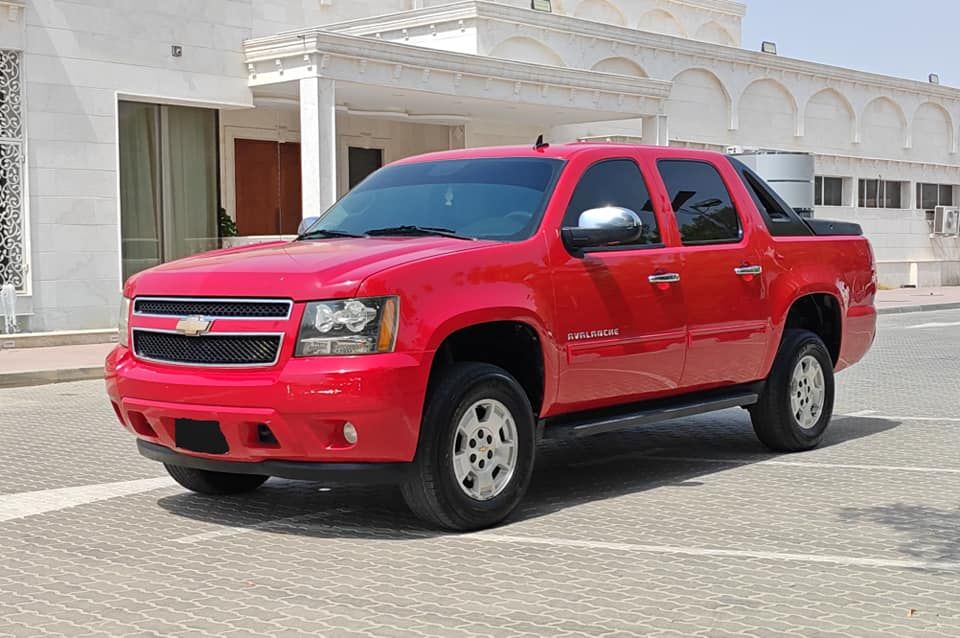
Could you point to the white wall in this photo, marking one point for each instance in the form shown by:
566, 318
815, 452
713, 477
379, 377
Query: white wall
78, 57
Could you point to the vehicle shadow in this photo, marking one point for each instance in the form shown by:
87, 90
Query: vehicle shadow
568, 474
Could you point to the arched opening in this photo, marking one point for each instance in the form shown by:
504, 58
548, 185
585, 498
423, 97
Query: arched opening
620, 66
768, 115
600, 11
661, 21
698, 108
526, 50
932, 132
716, 33
883, 127
829, 120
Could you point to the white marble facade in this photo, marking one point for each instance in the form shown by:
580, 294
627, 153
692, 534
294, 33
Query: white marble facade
411, 76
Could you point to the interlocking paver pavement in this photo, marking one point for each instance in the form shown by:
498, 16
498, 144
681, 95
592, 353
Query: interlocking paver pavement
688, 528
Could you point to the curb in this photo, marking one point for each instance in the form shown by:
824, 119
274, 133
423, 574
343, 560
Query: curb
901, 310
46, 377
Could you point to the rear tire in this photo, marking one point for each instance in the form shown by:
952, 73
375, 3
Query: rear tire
476, 450
214, 483
796, 405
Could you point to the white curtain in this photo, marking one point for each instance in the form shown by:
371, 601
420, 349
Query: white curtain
168, 183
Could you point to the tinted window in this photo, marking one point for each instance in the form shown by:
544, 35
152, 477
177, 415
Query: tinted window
765, 200
614, 183
497, 198
701, 202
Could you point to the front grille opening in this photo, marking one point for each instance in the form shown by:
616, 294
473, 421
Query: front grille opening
140, 425
240, 309
265, 436
208, 350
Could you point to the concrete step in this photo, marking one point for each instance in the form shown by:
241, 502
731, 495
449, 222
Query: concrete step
39, 366
57, 339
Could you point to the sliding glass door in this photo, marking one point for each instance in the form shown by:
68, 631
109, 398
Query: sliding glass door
168, 183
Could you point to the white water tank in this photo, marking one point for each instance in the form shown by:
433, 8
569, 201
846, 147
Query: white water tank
791, 175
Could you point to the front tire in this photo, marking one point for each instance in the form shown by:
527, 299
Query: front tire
796, 405
476, 450
214, 483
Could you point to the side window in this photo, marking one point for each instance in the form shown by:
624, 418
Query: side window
764, 199
615, 183
701, 202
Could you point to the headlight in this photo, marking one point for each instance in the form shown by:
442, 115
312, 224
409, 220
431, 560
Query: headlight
123, 325
348, 326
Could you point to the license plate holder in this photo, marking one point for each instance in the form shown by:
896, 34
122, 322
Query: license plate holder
200, 436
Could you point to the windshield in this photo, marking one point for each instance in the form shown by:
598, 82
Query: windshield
498, 198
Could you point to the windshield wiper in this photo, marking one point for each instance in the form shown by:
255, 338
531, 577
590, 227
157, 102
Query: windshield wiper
417, 230
322, 232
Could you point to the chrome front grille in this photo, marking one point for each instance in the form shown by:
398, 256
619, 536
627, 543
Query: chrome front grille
213, 308
226, 350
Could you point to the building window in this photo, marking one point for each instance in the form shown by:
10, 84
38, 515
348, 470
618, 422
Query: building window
13, 264
878, 193
168, 183
828, 191
929, 196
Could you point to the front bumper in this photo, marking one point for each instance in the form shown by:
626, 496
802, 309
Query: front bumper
303, 402
327, 473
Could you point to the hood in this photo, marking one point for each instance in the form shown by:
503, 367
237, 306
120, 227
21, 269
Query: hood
300, 270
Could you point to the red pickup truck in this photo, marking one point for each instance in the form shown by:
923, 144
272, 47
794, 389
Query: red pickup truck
454, 308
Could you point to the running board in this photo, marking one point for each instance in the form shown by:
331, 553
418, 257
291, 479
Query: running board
627, 417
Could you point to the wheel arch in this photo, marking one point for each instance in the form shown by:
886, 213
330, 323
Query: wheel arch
514, 340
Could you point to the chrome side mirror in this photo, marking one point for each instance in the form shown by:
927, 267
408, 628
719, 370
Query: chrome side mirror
600, 227
306, 224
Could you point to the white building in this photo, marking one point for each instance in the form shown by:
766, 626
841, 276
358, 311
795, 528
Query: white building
125, 126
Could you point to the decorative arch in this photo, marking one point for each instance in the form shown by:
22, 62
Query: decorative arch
661, 21
620, 66
883, 127
932, 131
830, 120
716, 33
524, 49
699, 107
600, 11
767, 114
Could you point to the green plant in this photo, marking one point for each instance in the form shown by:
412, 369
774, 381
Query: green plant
226, 225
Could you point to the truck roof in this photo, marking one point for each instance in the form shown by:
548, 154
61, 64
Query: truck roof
555, 151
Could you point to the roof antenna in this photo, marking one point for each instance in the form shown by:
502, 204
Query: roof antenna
540, 145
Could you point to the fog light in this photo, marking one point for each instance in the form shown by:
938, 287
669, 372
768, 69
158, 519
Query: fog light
349, 433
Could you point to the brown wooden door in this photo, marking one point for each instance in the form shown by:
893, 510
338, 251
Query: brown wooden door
291, 200
268, 187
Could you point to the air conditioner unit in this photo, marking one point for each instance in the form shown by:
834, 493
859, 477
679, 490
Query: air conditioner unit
946, 221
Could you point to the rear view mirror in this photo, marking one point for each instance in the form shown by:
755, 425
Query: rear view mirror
599, 227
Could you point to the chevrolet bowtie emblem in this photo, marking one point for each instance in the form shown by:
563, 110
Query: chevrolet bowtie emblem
194, 326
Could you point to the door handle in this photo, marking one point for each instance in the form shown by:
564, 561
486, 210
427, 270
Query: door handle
664, 278
748, 271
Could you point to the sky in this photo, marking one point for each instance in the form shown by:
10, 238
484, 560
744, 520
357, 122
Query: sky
916, 39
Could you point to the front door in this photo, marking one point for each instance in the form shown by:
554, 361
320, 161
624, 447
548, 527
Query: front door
723, 286
268, 187
623, 335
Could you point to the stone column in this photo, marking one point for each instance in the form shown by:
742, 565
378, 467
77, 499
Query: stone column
655, 131
318, 145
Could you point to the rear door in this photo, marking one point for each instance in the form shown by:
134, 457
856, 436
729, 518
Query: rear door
622, 336
728, 315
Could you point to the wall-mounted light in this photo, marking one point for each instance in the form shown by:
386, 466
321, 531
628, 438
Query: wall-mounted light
769, 47
542, 5
934, 78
